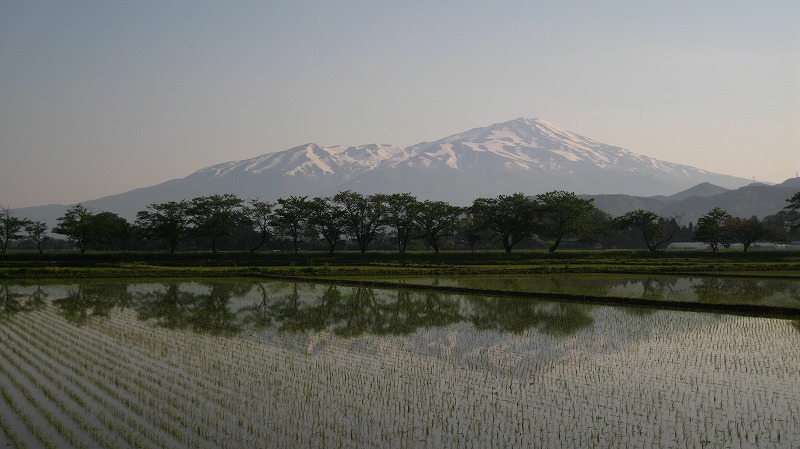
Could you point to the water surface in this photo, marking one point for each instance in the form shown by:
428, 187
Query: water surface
274, 364
779, 292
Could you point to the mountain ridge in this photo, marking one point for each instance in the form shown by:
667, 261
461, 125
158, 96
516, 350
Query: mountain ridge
529, 155
754, 199
522, 155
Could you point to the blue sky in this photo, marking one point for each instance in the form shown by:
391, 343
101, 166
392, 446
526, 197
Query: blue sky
98, 98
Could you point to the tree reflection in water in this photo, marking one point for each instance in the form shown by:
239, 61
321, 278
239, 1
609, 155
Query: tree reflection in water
517, 315
93, 300
231, 307
717, 290
350, 311
200, 311
362, 310
13, 300
257, 316
657, 288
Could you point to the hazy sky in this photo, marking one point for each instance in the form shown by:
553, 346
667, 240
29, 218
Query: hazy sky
99, 97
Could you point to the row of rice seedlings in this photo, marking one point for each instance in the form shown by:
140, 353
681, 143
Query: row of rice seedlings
71, 379
213, 417
223, 352
234, 401
153, 398
25, 433
235, 395
735, 383
37, 419
41, 395
117, 416
8, 434
318, 385
73, 405
128, 330
106, 387
197, 386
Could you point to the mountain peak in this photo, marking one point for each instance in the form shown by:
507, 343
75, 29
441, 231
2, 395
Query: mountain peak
703, 190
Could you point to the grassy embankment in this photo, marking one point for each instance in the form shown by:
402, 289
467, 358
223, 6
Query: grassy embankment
315, 264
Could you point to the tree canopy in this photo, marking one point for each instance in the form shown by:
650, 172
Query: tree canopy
402, 210
435, 220
326, 218
10, 228
290, 218
169, 221
743, 230
215, 216
364, 216
77, 225
655, 230
710, 228
511, 218
562, 214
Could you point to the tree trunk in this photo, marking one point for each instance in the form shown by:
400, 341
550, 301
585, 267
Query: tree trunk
507, 244
260, 244
553, 248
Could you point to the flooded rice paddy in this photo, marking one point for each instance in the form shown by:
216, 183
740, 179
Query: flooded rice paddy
212, 364
775, 292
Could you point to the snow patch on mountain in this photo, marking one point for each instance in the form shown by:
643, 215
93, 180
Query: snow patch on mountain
314, 162
446, 154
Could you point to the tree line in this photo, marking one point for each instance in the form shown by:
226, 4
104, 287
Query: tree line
546, 220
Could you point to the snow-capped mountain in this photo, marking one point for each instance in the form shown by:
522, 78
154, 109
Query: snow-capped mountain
532, 144
533, 156
523, 155
312, 161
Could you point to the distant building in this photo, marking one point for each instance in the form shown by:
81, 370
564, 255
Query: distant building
687, 245
758, 245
